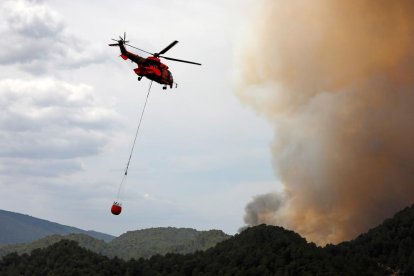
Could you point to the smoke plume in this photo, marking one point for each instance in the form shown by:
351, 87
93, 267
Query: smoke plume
336, 79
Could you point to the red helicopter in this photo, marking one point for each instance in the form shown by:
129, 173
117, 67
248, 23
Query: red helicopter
150, 67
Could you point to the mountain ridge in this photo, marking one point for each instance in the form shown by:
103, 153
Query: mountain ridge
387, 249
21, 228
136, 244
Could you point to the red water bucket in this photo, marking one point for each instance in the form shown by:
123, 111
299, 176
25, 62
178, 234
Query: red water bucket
116, 208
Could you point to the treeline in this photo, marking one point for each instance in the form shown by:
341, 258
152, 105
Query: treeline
162, 240
262, 250
62, 258
391, 244
134, 244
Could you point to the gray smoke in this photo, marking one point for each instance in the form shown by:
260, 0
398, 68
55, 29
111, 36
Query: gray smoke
336, 79
262, 208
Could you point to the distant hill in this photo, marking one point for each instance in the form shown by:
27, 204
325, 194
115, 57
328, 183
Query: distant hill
85, 241
261, 250
134, 244
147, 242
19, 228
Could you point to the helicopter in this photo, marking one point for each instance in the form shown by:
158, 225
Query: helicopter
151, 67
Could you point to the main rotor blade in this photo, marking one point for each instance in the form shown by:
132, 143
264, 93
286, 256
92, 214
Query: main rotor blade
139, 49
180, 60
167, 48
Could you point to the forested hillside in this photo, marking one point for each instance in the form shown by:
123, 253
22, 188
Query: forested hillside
147, 242
85, 241
391, 244
262, 250
134, 244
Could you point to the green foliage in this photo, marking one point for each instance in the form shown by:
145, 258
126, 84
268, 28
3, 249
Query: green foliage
261, 250
85, 241
134, 244
148, 242
391, 244
62, 258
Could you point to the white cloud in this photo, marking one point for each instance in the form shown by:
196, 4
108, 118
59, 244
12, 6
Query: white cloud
51, 121
34, 37
30, 168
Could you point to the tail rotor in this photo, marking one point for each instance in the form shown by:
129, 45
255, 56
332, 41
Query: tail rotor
121, 40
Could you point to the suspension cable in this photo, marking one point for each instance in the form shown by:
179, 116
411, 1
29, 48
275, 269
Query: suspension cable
133, 144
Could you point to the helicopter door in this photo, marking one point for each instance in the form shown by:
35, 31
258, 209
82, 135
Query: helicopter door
166, 75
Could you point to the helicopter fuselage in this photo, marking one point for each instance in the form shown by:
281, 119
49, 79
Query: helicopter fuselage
150, 67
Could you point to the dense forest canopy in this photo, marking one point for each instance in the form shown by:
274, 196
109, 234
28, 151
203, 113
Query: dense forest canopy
260, 250
133, 244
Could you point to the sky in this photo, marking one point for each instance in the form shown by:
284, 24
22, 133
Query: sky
70, 107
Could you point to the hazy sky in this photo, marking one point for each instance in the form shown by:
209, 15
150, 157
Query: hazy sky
70, 105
